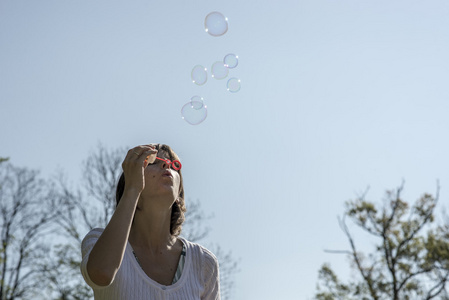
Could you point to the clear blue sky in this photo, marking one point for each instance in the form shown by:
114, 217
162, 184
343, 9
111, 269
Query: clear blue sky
336, 96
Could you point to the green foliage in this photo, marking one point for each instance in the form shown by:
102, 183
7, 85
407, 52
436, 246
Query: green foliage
410, 259
333, 288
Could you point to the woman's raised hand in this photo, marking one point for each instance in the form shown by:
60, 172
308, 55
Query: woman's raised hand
134, 165
107, 254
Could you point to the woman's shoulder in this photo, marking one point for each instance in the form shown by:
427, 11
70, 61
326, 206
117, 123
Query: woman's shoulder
200, 250
93, 234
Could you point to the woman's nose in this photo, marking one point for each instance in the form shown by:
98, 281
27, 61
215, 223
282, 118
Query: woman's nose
165, 165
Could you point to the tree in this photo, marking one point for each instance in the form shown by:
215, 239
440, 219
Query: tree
91, 206
410, 259
26, 216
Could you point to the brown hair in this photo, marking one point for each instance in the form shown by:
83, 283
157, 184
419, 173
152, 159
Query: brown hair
178, 207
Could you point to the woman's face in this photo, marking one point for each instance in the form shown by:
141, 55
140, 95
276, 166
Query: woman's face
161, 179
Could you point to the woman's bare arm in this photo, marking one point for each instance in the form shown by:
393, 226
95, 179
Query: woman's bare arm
107, 254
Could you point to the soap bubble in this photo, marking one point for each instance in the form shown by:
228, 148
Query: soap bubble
197, 102
194, 112
219, 70
216, 24
231, 61
233, 85
199, 75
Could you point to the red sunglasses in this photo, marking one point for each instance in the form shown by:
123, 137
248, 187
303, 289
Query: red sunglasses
176, 164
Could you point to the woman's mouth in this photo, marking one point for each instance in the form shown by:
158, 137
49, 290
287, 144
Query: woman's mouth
167, 174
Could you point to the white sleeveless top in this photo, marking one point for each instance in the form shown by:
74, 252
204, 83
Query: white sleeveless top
199, 279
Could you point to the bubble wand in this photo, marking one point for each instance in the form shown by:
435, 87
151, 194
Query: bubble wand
176, 164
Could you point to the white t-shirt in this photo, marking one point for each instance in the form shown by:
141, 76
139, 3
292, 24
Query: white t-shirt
199, 279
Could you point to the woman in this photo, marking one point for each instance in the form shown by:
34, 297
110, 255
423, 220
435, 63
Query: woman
139, 255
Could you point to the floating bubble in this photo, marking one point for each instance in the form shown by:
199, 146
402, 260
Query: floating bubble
197, 102
231, 61
233, 85
199, 75
216, 24
219, 70
194, 112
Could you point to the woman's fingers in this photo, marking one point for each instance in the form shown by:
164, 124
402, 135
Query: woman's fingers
141, 152
149, 155
139, 157
135, 162
145, 154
